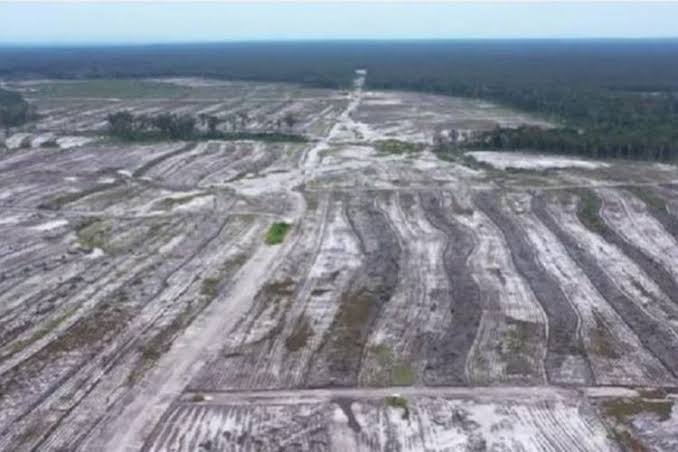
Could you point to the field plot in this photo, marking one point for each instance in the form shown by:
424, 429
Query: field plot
80, 107
344, 293
326, 420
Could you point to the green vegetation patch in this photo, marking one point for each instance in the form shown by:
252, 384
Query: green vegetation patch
402, 374
210, 287
518, 345
94, 233
588, 210
348, 333
299, 337
627, 440
623, 408
603, 342
103, 322
397, 147
650, 198
396, 401
171, 202
395, 371
119, 88
41, 332
277, 232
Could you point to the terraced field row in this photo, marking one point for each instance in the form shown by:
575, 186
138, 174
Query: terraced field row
494, 289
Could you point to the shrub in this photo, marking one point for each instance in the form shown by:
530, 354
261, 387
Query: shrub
277, 232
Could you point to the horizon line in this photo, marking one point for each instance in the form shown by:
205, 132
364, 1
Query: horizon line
325, 40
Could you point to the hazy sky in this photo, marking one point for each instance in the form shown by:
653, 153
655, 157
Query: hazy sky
77, 22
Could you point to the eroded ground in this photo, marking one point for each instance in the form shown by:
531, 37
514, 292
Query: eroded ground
511, 302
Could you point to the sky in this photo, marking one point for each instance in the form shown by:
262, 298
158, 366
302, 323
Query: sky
146, 22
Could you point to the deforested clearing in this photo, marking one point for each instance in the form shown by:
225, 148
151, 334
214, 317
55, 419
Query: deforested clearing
349, 291
522, 160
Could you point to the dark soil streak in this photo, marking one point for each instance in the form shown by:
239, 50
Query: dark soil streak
652, 334
448, 352
653, 268
143, 169
373, 286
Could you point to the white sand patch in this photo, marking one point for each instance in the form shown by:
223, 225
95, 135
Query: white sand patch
381, 98
41, 139
169, 246
356, 152
6, 194
182, 194
609, 391
96, 253
105, 180
18, 140
521, 160
190, 82
11, 220
125, 173
270, 183
50, 225
195, 203
71, 142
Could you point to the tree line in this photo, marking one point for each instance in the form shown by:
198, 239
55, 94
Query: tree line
610, 98
169, 126
14, 110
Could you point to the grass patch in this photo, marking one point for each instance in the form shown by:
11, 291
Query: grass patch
277, 232
625, 439
621, 409
102, 323
402, 375
160, 343
398, 372
120, 88
347, 334
397, 147
588, 210
652, 393
396, 401
268, 137
354, 311
171, 202
518, 336
210, 287
603, 342
518, 346
93, 233
299, 337
650, 198
41, 332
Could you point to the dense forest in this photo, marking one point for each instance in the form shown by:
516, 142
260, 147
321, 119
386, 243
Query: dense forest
14, 110
611, 98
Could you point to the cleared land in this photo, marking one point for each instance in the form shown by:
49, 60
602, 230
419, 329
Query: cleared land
354, 292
